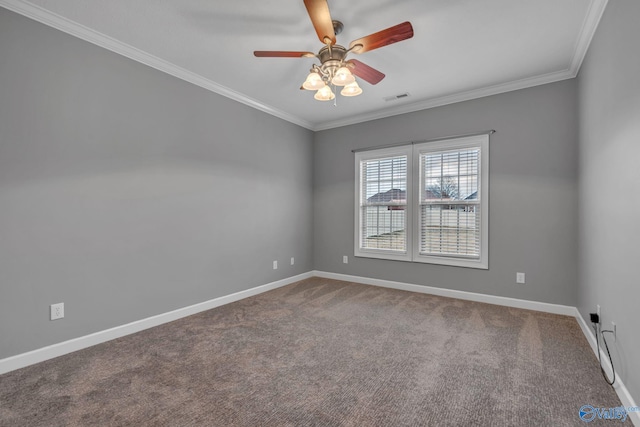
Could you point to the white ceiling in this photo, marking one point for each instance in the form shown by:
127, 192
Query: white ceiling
462, 49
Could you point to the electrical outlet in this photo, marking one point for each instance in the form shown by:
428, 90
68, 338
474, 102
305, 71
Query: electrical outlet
57, 311
292, 260
345, 259
275, 265
519, 277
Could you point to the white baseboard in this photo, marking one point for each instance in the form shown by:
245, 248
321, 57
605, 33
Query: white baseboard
618, 386
49, 352
25, 359
450, 293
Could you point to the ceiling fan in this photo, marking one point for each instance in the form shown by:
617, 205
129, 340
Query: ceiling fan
334, 69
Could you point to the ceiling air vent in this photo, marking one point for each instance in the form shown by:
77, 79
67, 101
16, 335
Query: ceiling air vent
396, 97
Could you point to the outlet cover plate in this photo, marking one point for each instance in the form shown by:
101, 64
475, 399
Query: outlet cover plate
57, 311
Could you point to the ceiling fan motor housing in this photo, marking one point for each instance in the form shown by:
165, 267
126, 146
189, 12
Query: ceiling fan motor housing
331, 59
335, 52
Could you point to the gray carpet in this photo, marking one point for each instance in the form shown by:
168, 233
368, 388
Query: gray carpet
324, 353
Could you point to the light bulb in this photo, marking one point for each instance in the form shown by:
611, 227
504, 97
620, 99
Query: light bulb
313, 82
343, 77
324, 94
351, 89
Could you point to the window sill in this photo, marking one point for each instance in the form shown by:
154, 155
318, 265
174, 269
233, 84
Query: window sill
448, 261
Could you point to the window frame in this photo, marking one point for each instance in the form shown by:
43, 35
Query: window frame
414, 185
382, 253
455, 144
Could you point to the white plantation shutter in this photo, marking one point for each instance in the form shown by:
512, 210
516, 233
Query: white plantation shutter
383, 202
450, 203
426, 203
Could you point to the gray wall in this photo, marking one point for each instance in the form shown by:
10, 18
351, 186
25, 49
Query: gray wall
533, 193
125, 192
609, 178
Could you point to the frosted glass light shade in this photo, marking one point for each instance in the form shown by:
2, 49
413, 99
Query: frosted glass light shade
324, 94
313, 82
351, 89
343, 77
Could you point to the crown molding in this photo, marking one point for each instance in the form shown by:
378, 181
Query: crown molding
588, 30
37, 13
63, 24
450, 99
589, 27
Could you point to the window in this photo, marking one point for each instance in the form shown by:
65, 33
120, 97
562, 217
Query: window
382, 189
426, 203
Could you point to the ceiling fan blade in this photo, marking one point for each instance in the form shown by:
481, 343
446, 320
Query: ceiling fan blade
391, 35
365, 72
321, 19
282, 54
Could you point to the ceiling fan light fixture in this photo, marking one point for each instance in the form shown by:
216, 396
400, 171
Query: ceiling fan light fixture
313, 82
334, 69
352, 89
343, 77
324, 94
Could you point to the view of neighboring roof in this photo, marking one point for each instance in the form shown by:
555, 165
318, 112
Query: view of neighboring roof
472, 196
388, 196
396, 194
